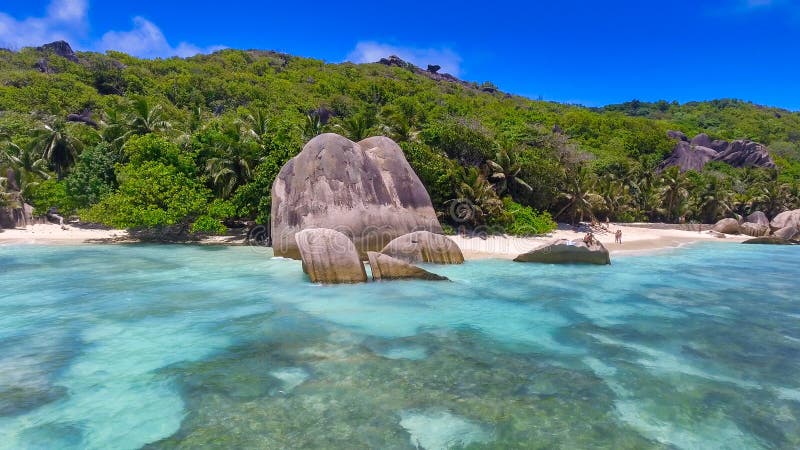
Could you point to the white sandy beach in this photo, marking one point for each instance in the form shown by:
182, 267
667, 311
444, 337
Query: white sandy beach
634, 239
505, 247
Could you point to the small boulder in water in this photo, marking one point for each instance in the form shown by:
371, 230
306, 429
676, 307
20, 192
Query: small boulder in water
424, 246
329, 256
563, 251
769, 240
385, 267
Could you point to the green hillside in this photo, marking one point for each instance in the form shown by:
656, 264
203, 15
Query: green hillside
194, 143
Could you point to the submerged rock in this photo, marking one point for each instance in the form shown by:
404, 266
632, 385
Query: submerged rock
786, 219
385, 267
754, 229
727, 226
769, 240
329, 257
563, 251
367, 191
424, 246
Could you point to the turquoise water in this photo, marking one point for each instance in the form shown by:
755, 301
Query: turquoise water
107, 347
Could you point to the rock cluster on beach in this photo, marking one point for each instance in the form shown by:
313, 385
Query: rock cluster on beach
783, 227
563, 251
366, 190
694, 154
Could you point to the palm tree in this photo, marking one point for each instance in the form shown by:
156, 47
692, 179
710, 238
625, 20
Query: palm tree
579, 196
615, 194
358, 126
26, 164
673, 191
313, 126
57, 146
145, 118
771, 197
504, 173
234, 167
399, 127
476, 200
713, 200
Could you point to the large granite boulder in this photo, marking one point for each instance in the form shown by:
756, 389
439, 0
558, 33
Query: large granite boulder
696, 154
424, 246
367, 191
727, 226
688, 157
786, 219
791, 233
563, 251
743, 153
329, 256
754, 229
701, 140
17, 214
384, 267
758, 217
677, 135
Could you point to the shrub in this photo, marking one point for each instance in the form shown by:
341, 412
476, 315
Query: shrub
526, 221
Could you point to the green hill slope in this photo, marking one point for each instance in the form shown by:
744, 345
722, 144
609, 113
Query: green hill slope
190, 142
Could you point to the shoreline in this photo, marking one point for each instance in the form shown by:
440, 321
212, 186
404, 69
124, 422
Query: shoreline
636, 240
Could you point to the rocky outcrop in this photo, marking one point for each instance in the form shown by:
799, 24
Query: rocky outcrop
329, 257
367, 191
678, 135
769, 240
695, 154
60, 48
758, 218
727, 226
754, 229
18, 214
563, 251
746, 154
688, 157
791, 233
385, 267
424, 246
786, 219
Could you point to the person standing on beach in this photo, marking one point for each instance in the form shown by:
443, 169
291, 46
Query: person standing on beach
618, 237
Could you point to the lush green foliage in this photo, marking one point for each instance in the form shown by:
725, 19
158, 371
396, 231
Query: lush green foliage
190, 143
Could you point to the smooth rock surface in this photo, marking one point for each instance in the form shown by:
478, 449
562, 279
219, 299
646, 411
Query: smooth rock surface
758, 217
696, 154
18, 216
563, 251
424, 246
329, 256
786, 219
727, 226
384, 267
367, 191
791, 233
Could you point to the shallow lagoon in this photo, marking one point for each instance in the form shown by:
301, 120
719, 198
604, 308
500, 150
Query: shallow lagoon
180, 346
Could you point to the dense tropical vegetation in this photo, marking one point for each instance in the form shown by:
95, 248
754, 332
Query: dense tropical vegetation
195, 143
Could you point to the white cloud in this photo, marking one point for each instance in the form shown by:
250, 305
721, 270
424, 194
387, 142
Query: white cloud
69, 20
146, 40
65, 19
369, 51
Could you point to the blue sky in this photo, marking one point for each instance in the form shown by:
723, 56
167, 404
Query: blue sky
577, 51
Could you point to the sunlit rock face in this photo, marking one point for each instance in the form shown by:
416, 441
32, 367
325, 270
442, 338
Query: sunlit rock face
329, 257
366, 190
563, 251
424, 246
